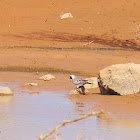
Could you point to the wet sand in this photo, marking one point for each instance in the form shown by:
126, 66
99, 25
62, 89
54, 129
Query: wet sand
84, 61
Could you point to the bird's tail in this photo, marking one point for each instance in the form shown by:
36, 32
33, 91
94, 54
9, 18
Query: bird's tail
89, 83
86, 82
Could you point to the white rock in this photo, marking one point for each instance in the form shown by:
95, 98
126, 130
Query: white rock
35, 93
74, 92
47, 77
5, 91
80, 90
122, 79
66, 15
31, 84
94, 82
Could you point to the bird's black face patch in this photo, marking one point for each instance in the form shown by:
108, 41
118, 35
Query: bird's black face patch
70, 77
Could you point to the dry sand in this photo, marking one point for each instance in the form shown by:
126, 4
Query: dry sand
101, 33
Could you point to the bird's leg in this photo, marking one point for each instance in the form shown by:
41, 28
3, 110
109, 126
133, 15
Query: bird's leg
81, 89
79, 86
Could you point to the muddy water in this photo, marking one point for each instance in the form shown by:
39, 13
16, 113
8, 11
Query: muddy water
26, 115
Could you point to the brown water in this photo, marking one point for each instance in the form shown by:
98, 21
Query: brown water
25, 116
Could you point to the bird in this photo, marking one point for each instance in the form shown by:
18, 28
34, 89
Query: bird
78, 82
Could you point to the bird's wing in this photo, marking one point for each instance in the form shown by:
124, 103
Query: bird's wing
83, 81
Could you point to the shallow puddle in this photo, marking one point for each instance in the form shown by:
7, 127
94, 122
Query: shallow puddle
25, 116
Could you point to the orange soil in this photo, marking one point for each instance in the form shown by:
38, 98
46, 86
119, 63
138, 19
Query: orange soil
35, 23
33, 38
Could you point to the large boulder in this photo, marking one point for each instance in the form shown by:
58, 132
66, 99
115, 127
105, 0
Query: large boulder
121, 79
5, 91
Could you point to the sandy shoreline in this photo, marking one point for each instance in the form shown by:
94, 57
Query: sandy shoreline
123, 107
88, 62
62, 63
